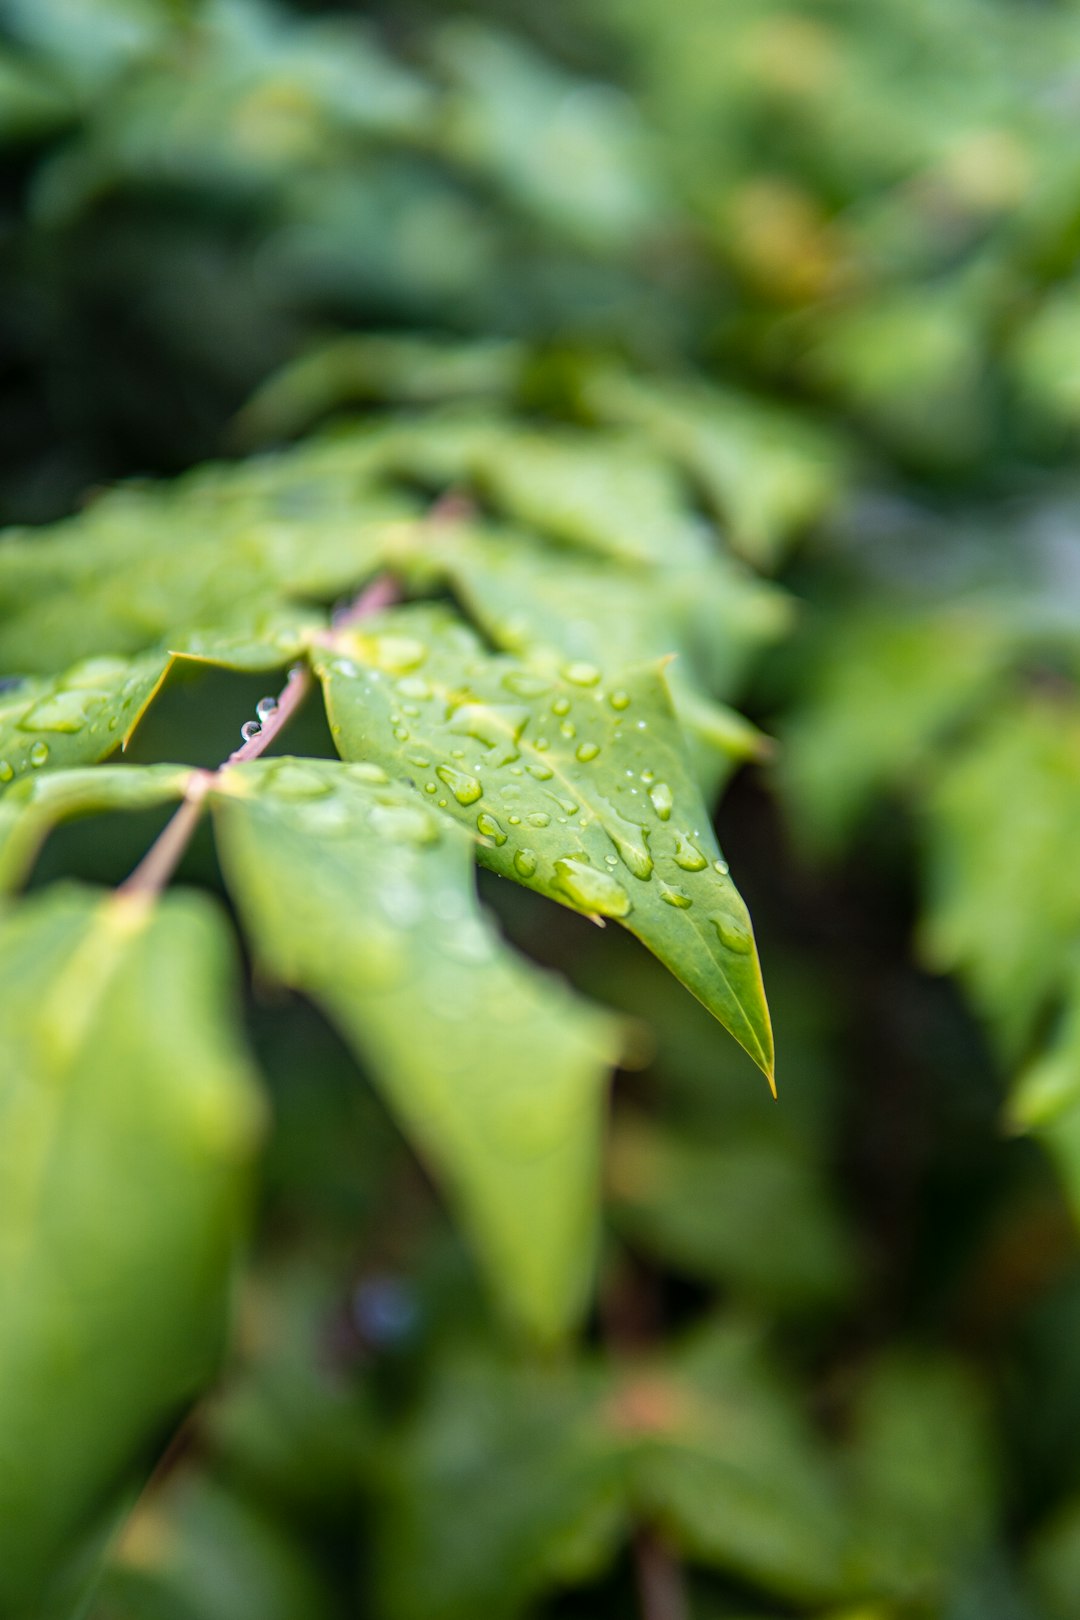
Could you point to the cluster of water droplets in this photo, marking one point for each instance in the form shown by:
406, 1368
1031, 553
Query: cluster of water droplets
265, 710
97, 695
491, 759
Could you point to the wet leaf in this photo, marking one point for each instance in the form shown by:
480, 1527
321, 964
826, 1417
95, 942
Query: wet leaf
128, 1121
358, 893
575, 785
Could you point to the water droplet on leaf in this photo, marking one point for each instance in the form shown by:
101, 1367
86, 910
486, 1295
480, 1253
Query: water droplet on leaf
687, 855
465, 788
663, 800
490, 828
590, 889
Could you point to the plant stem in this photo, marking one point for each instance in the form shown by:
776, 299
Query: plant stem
159, 863
659, 1579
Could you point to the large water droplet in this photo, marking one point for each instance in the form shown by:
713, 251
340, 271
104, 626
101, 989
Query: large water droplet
265, 708
587, 751
7, 770
362, 770
593, 890
414, 757
538, 819
63, 711
490, 828
687, 854
95, 673
250, 729
674, 896
414, 686
734, 934
561, 705
395, 654
292, 781
581, 674
524, 862
631, 841
541, 772
39, 753
663, 800
619, 700
525, 683
409, 823
493, 724
465, 788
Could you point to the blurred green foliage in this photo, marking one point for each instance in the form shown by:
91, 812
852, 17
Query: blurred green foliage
748, 331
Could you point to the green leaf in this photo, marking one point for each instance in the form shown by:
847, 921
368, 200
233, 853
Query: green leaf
556, 607
144, 564
750, 1210
504, 1484
360, 367
723, 1460
609, 494
33, 807
194, 1550
922, 1508
1000, 832
883, 689
127, 1120
354, 891
75, 718
573, 785
766, 472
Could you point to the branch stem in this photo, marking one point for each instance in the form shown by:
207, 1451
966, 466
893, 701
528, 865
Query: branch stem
159, 863
661, 1589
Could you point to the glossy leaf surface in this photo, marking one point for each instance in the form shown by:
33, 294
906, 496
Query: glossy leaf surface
124, 1145
356, 892
575, 785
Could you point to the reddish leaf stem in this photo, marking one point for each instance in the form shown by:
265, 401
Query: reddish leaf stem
660, 1585
163, 857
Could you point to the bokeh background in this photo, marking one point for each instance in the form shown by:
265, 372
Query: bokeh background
827, 252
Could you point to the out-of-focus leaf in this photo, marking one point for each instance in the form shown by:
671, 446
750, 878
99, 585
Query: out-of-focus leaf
32, 808
565, 607
609, 494
574, 785
723, 1461
505, 1483
1047, 357
1046, 1099
751, 1211
882, 692
1001, 826
356, 369
75, 718
767, 473
129, 1117
1054, 1562
292, 1423
565, 149
358, 893
924, 1473
195, 1550
908, 361
142, 564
